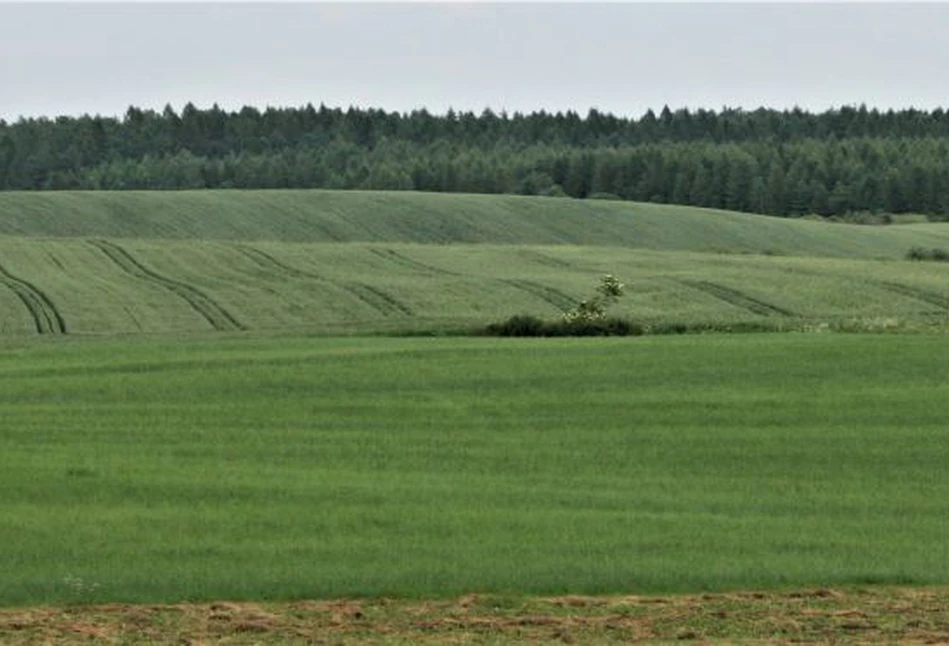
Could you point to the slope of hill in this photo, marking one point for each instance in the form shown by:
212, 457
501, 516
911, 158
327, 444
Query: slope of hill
118, 263
362, 216
107, 286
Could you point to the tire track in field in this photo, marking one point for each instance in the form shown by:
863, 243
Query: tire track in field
736, 298
46, 317
374, 297
545, 260
394, 256
266, 261
218, 317
933, 298
378, 299
555, 297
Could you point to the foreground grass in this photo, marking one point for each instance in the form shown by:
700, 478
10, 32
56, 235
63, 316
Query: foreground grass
869, 615
232, 468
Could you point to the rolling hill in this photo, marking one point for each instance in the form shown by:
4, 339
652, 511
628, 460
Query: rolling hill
333, 262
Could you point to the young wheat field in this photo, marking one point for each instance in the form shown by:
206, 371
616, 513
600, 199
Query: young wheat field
156, 470
339, 263
273, 396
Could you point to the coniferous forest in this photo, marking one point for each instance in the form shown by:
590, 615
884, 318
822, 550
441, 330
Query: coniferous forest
788, 163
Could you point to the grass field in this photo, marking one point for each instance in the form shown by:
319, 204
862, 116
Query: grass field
234, 468
198, 403
333, 262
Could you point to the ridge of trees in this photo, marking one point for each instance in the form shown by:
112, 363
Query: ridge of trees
788, 163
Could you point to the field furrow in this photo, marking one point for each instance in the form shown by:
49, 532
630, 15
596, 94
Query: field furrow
546, 260
402, 260
46, 317
216, 316
266, 261
926, 296
555, 297
737, 298
384, 303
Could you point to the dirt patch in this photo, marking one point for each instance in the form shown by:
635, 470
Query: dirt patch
869, 615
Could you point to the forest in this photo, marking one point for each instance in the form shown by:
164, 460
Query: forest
849, 160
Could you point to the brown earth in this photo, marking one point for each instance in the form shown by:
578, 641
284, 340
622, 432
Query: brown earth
851, 616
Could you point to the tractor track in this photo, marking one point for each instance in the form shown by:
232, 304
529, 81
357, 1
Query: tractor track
371, 296
218, 317
736, 298
265, 261
555, 297
545, 260
46, 317
378, 299
395, 257
932, 298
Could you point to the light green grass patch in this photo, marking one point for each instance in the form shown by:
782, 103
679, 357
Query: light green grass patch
286, 468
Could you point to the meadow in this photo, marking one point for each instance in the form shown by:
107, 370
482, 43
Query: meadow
164, 469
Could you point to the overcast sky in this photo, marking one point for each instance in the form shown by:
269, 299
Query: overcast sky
624, 58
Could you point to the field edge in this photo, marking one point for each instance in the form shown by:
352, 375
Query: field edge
838, 615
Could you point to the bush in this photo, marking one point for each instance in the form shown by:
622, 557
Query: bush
524, 325
518, 325
937, 255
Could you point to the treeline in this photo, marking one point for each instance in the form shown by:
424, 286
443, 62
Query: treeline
778, 162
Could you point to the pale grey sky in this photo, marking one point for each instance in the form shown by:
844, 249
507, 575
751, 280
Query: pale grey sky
79, 58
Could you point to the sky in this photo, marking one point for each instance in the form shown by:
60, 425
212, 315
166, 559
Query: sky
76, 58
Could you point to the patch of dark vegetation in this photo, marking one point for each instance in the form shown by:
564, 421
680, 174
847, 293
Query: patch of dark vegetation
933, 255
525, 325
737, 327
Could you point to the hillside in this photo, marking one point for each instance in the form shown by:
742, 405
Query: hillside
379, 216
338, 262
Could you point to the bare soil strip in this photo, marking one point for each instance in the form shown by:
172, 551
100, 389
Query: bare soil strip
855, 616
46, 317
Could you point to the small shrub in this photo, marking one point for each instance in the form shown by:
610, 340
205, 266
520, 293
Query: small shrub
612, 326
936, 255
594, 309
530, 326
939, 255
603, 195
518, 325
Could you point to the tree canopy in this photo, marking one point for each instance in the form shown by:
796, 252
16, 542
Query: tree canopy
790, 162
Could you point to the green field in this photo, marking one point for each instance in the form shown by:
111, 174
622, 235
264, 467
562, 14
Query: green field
162, 469
213, 395
341, 262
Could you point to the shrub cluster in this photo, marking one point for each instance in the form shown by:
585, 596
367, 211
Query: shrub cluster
937, 255
525, 325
